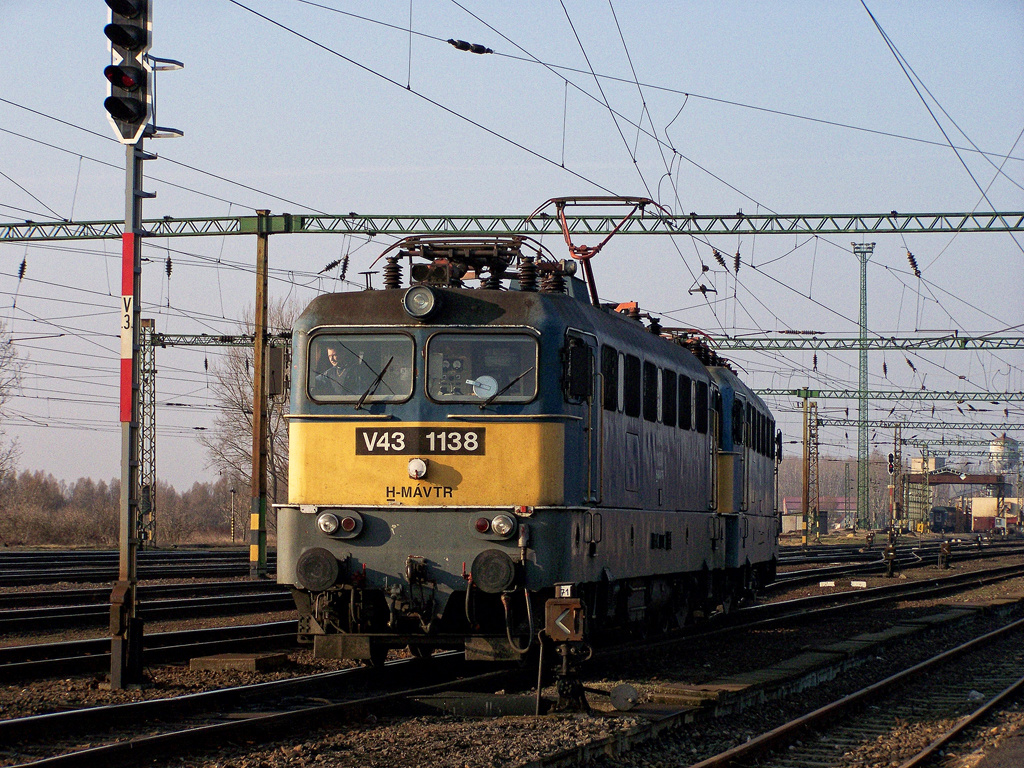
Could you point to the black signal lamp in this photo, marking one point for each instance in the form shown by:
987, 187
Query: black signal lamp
131, 38
127, 8
127, 110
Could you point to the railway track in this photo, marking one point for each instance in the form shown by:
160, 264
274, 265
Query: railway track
907, 557
904, 720
894, 721
76, 657
860, 552
33, 567
97, 595
199, 721
56, 610
285, 709
89, 656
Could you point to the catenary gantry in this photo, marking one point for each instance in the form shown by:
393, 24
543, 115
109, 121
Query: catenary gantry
648, 223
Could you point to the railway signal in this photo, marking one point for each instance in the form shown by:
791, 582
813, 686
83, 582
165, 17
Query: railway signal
130, 109
892, 463
129, 99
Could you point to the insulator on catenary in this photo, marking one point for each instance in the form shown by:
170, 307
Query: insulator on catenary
719, 258
462, 45
736, 263
815, 362
392, 272
913, 264
330, 266
344, 268
885, 369
168, 266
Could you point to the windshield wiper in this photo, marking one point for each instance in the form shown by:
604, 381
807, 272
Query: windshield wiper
374, 384
504, 389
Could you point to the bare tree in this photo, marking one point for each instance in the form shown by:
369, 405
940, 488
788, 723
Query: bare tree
10, 377
230, 440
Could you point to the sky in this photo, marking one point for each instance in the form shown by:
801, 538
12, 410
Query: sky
787, 107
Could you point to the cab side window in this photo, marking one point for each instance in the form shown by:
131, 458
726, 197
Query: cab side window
631, 380
610, 374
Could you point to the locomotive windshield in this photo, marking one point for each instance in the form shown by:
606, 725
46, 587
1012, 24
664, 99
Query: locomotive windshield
468, 368
361, 368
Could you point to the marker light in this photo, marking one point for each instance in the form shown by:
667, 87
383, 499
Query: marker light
348, 524
421, 301
483, 525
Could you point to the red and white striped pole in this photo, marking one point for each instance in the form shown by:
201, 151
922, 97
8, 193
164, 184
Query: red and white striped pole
125, 626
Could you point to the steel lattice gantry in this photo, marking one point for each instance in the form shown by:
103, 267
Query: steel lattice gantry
897, 394
889, 424
948, 442
647, 223
853, 344
938, 449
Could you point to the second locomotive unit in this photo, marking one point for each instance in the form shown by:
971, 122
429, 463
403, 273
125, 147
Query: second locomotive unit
460, 455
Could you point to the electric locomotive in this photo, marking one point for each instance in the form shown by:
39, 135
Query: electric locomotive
459, 455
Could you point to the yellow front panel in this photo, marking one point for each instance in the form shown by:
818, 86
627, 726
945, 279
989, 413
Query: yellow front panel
522, 464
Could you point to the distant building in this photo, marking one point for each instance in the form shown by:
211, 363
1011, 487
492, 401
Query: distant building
834, 512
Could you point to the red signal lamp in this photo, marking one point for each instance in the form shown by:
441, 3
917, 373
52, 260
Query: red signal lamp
124, 77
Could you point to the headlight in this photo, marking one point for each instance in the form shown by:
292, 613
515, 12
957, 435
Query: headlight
502, 525
420, 301
328, 523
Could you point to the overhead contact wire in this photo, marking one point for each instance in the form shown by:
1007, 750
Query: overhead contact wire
419, 95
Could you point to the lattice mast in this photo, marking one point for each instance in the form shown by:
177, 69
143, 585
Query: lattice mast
863, 253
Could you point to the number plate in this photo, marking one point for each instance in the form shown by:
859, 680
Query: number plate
419, 441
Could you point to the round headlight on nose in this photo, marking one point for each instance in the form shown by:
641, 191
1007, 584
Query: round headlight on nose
328, 523
502, 525
421, 301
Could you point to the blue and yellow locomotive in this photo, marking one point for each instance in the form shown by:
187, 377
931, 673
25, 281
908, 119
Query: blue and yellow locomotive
459, 455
